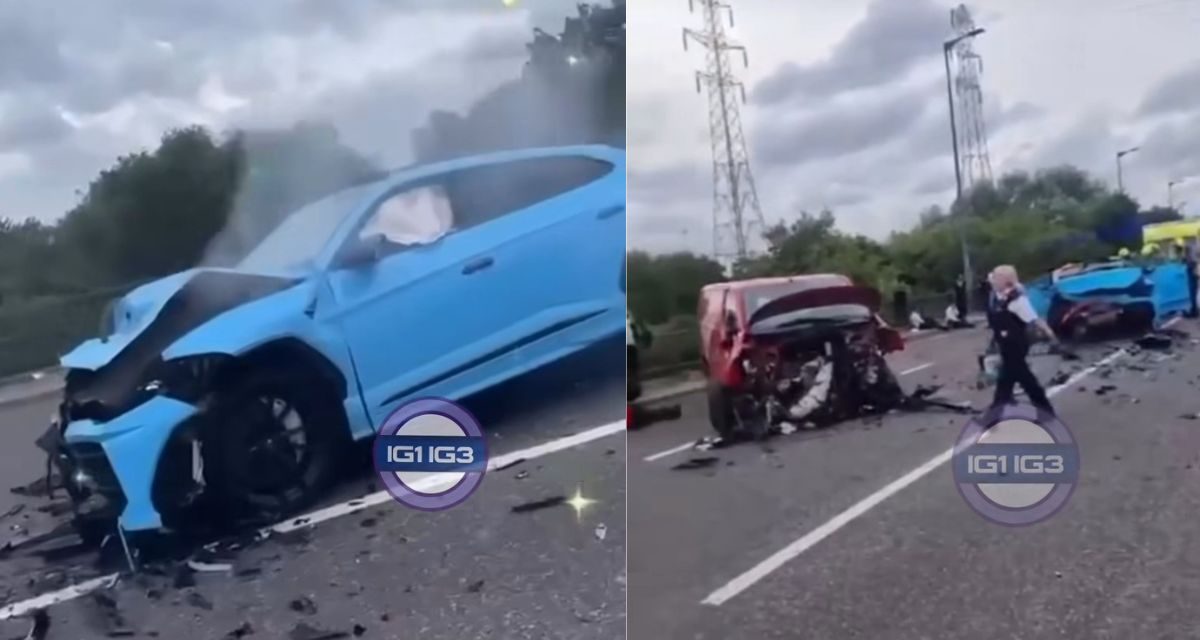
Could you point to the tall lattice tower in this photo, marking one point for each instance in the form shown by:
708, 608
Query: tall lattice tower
975, 165
736, 213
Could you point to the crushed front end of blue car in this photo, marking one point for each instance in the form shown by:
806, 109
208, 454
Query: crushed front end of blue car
125, 438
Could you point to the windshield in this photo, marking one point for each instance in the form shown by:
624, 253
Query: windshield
834, 313
299, 239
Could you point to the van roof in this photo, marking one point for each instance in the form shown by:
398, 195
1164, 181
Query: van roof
812, 279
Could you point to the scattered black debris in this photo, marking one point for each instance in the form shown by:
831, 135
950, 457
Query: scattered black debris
245, 629
303, 631
17, 508
56, 509
383, 617
40, 627
1158, 341
509, 465
610, 452
368, 523
39, 488
475, 587
1116, 457
304, 605
358, 630
643, 417
184, 577
197, 599
1190, 416
246, 570
697, 463
1104, 389
1059, 378
538, 505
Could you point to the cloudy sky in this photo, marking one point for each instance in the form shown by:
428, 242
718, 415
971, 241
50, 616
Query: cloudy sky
83, 82
847, 105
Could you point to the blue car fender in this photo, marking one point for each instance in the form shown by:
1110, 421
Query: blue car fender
273, 319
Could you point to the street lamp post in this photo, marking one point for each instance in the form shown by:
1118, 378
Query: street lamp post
1120, 179
947, 46
1170, 194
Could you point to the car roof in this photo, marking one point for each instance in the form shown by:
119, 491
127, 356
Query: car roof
811, 279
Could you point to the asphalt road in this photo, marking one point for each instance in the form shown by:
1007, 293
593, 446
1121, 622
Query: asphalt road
478, 570
1121, 560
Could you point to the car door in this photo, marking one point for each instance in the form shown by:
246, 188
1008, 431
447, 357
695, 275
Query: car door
415, 312
557, 224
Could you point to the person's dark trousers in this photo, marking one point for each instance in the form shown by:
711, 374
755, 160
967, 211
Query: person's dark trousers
1014, 370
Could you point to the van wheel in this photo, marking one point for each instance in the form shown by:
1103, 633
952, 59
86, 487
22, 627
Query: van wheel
720, 410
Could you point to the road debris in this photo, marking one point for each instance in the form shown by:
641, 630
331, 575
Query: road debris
243, 630
696, 463
509, 465
39, 628
197, 599
302, 631
601, 531
538, 505
304, 605
475, 587
521, 475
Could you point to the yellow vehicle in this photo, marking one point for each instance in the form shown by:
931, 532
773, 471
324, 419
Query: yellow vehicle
1165, 234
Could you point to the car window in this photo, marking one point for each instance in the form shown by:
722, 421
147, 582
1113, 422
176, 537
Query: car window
462, 199
483, 194
420, 215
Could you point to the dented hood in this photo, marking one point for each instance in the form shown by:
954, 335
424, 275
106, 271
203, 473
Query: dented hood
823, 297
147, 320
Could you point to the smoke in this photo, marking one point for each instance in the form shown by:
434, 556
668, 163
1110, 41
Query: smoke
570, 91
281, 171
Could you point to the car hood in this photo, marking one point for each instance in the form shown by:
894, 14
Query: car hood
150, 318
823, 297
1100, 282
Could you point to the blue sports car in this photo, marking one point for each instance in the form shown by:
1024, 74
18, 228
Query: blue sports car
242, 387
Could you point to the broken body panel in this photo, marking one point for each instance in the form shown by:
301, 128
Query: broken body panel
804, 349
377, 333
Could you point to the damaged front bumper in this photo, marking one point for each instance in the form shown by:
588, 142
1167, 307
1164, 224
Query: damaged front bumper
117, 460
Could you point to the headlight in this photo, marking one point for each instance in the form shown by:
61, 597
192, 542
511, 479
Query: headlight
188, 378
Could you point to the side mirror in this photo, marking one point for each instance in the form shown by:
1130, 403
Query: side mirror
363, 251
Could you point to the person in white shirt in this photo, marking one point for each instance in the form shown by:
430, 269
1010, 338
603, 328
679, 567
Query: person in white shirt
1009, 316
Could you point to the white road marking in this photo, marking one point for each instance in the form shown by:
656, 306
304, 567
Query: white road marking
670, 452
920, 367
781, 557
688, 445
430, 483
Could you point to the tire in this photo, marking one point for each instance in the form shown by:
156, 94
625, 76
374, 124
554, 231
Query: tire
720, 411
633, 380
255, 464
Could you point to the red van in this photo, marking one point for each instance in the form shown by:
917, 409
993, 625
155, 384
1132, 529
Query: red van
756, 335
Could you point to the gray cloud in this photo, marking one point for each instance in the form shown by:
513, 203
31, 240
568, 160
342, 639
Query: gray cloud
30, 122
893, 39
843, 128
1177, 93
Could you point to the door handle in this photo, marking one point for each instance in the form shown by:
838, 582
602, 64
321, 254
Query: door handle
605, 214
477, 265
